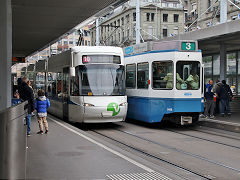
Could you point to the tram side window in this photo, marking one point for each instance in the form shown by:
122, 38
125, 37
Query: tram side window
53, 84
142, 75
188, 75
162, 74
74, 86
59, 85
131, 76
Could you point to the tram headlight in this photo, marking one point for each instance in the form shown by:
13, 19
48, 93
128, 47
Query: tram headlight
88, 104
123, 104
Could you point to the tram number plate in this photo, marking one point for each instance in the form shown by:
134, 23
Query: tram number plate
186, 120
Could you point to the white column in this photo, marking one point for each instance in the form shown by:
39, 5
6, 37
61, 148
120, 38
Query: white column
97, 32
138, 22
5, 53
223, 11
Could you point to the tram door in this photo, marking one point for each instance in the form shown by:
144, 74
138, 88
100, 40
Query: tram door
65, 93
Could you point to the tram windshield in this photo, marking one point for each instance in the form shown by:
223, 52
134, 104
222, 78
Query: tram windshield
101, 80
188, 75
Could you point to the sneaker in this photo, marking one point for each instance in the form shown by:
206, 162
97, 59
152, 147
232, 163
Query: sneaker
40, 132
212, 117
207, 117
46, 132
202, 116
28, 134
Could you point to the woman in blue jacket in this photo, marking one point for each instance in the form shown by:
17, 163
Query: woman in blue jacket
41, 105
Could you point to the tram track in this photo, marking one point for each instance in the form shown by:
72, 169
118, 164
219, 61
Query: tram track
182, 151
151, 155
208, 140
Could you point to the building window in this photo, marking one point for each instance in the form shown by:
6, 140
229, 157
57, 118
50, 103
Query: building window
65, 42
85, 42
131, 76
207, 61
134, 16
152, 16
165, 33
147, 16
165, 17
118, 22
142, 75
127, 18
70, 42
162, 74
176, 16
122, 20
88, 43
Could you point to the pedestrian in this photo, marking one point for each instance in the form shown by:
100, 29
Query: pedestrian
26, 94
41, 105
217, 104
209, 97
225, 95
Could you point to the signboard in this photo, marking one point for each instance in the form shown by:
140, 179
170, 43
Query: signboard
188, 46
18, 59
129, 50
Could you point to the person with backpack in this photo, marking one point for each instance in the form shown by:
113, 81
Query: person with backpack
41, 105
224, 93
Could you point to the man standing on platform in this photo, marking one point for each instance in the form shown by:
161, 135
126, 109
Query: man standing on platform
26, 94
209, 97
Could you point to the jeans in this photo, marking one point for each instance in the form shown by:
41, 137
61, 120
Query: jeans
28, 121
225, 105
210, 105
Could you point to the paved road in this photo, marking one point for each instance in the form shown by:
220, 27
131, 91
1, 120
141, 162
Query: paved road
214, 154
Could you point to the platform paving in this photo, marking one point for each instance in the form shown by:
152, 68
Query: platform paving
64, 154
229, 123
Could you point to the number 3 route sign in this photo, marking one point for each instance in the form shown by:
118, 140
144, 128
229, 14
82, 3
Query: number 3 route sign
188, 46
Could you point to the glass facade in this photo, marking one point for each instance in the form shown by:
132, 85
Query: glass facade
212, 69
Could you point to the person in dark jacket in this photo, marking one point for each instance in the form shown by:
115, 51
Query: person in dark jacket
41, 105
225, 95
209, 97
26, 94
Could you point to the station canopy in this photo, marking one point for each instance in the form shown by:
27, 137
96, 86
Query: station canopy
37, 23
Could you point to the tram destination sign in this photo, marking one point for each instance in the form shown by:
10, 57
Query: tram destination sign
188, 46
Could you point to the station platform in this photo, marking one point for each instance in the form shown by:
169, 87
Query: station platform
231, 123
67, 152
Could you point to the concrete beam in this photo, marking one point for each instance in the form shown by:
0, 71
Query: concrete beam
5, 53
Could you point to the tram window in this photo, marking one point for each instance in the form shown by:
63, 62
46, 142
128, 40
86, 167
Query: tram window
54, 85
188, 75
131, 76
74, 86
142, 75
59, 85
162, 74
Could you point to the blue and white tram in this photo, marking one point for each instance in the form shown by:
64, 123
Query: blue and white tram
164, 82
87, 84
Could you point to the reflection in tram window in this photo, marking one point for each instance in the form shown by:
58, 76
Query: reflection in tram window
187, 76
101, 80
131, 76
74, 84
162, 75
142, 76
59, 85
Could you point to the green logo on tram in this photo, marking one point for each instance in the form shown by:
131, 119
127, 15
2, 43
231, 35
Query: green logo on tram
114, 107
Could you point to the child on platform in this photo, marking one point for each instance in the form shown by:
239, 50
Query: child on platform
41, 105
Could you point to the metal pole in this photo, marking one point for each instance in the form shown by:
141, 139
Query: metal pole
223, 11
137, 22
97, 32
156, 22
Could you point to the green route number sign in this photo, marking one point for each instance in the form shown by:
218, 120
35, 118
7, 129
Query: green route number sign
188, 46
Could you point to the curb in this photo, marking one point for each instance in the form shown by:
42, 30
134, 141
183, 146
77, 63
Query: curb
228, 126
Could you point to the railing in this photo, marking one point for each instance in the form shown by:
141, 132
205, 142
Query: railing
13, 142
